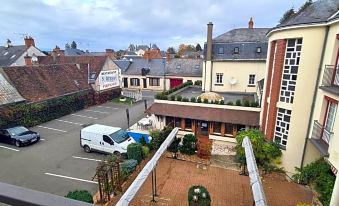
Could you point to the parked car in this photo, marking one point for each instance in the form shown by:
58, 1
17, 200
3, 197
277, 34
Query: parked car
18, 135
106, 139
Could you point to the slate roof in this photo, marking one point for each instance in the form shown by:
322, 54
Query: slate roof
243, 35
156, 66
74, 52
143, 47
188, 67
319, 12
42, 82
123, 64
9, 55
8, 94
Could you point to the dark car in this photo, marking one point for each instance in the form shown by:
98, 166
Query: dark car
18, 135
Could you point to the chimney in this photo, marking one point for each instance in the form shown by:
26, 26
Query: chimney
209, 41
109, 53
250, 23
168, 56
28, 60
29, 41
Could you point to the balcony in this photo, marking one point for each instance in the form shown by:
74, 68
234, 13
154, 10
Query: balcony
330, 82
320, 138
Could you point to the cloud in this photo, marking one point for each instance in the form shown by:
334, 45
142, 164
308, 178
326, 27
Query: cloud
100, 24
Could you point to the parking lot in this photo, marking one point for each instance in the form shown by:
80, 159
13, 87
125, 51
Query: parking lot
57, 164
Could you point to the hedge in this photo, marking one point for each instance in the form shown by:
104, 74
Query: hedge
128, 166
81, 195
134, 151
163, 95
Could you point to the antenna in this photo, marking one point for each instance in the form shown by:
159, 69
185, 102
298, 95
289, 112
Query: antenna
22, 34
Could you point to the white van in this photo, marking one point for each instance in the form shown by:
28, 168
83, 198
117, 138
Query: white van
105, 139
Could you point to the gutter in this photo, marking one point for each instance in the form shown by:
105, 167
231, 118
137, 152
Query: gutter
314, 96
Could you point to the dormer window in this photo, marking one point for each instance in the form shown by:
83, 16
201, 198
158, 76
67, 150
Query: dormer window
178, 66
258, 49
221, 50
197, 66
236, 50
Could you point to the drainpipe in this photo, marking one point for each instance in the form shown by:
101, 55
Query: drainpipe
314, 96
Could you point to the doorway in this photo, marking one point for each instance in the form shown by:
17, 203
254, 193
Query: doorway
125, 82
202, 128
144, 81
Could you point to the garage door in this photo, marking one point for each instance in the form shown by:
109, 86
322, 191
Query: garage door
175, 82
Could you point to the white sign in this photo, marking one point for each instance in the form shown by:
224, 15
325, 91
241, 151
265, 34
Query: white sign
108, 79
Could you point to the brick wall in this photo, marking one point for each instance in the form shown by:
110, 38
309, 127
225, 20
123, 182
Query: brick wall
276, 75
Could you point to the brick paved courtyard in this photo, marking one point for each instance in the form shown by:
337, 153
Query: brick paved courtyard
226, 187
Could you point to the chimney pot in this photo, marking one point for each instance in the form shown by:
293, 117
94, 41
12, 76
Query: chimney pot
29, 41
28, 60
250, 23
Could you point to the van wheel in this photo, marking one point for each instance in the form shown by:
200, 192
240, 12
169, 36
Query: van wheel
87, 149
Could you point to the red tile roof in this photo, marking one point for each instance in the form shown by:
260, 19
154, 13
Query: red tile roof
249, 118
152, 54
38, 83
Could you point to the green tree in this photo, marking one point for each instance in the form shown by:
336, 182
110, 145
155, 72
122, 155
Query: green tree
198, 47
171, 50
287, 15
73, 45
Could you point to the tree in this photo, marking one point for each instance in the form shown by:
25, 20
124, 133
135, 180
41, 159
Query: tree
305, 5
287, 15
171, 50
198, 47
183, 48
67, 46
73, 45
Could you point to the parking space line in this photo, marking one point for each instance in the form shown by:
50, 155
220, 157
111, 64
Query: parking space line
71, 178
78, 115
10, 148
42, 139
89, 110
84, 158
104, 107
69, 122
59, 130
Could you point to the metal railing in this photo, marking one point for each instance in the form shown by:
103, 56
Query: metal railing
137, 96
320, 132
331, 76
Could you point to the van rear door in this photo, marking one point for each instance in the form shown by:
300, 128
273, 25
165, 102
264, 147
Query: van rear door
107, 144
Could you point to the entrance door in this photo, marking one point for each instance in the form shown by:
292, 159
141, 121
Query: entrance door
175, 82
125, 82
144, 83
202, 128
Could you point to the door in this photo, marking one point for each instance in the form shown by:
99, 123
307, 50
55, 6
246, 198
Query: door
5, 136
202, 129
175, 82
107, 144
125, 82
329, 121
144, 81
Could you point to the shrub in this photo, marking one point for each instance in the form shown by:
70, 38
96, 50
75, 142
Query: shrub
199, 100
134, 151
265, 152
201, 195
142, 141
229, 103
128, 166
317, 173
246, 103
81, 195
193, 99
158, 137
238, 102
206, 101
221, 102
161, 96
111, 159
216, 102
204, 150
172, 98
174, 147
145, 151
254, 104
179, 98
185, 99
198, 83
188, 144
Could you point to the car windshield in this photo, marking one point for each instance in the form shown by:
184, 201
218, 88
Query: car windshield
119, 136
17, 130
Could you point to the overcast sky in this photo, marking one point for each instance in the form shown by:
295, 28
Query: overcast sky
100, 24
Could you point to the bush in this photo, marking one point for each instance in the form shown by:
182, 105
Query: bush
81, 195
174, 147
134, 151
221, 102
265, 152
254, 104
246, 103
320, 175
145, 151
128, 166
216, 102
161, 96
206, 101
188, 144
199, 100
158, 137
172, 98
198, 83
179, 98
229, 103
238, 102
202, 195
185, 99
193, 99
142, 141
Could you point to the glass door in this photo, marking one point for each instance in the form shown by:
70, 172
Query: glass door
329, 121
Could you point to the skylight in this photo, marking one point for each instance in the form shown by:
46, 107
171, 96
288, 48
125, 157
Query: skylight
197, 66
236, 50
13, 56
178, 66
6, 53
258, 49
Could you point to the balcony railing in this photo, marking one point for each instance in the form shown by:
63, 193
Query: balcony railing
331, 76
320, 137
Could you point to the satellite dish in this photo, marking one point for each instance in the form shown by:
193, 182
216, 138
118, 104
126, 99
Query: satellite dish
233, 81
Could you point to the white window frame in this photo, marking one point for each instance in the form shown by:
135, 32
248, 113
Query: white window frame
135, 82
249, 79
219, 78
154, 81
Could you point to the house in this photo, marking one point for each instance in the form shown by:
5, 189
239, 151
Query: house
100, 71
11, 55
140, 49
235, 60
152, 54
8, 94
301, 91
142, 74
179, 71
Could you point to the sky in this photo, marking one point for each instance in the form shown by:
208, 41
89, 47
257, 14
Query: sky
99, 24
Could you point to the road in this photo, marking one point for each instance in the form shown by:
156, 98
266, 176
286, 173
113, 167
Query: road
57, 164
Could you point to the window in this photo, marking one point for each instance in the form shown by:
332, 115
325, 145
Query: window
135, 82
329, 121
282, 126
229, 129
197, 66
236, 50
219, 79
258, 49
251, 80
188, 124
108, 140
154, 81
178, 66
217, 127
177, 122
221, 50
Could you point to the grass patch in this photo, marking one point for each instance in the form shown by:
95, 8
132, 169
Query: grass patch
127, 100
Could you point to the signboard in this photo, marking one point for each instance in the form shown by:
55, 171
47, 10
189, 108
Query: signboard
108, 79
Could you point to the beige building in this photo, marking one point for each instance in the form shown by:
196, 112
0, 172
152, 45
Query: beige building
235, 61
301, 92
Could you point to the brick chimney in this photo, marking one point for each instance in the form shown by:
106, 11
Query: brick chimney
209, 41
29, 41
28, 60
110, 53
250, 23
